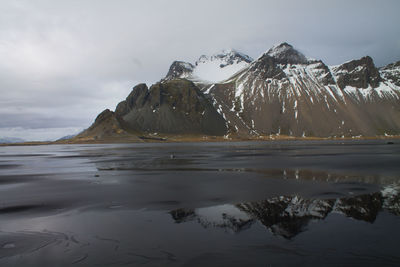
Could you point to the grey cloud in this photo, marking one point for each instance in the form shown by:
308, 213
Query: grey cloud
33, 121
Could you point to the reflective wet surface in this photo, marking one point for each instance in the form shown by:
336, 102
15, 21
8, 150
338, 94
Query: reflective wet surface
194, 204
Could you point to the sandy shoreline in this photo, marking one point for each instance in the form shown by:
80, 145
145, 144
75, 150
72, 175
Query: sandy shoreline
183, 139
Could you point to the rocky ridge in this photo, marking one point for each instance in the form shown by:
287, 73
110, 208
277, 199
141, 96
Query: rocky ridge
284, 93
281, 93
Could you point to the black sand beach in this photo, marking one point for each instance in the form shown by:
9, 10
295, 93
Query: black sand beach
193, 204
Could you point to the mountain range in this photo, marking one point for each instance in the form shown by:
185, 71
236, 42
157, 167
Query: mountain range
282, 92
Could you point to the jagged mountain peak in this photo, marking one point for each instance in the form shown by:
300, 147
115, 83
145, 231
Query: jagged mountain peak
282, 61
284, 53
359, 73
278, 48
229, 56
210, 69
364, 61
179, 69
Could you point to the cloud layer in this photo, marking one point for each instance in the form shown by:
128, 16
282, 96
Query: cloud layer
63, 62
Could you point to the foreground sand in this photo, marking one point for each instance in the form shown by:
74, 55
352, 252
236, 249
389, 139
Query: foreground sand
201, 204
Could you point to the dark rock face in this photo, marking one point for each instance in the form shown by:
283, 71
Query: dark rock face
105, 126
170, 107
179, 69
358, 73
103, 116
135, 98
266, 67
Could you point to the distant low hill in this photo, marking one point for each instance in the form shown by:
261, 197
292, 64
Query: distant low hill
67, 137
11, 140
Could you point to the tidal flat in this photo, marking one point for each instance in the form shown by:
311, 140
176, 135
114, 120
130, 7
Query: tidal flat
275, 203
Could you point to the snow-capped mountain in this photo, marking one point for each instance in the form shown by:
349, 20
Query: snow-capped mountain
210, 69
283, 92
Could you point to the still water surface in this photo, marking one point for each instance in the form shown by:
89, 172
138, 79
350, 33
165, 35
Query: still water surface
201, 204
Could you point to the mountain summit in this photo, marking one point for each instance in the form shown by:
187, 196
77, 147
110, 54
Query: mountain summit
281, 93
284, 53
210, 69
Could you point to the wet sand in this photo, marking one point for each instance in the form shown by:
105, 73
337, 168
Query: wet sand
195, 204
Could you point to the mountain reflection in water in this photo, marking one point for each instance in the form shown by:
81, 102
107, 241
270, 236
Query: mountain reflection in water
287, 216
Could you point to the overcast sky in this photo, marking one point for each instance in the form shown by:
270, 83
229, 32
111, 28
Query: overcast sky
63, 62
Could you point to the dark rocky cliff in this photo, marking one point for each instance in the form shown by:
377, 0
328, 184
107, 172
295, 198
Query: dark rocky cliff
170, 107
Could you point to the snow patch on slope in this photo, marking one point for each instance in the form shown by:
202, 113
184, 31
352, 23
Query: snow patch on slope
387, 89
219, 67
211, 71
384, 90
